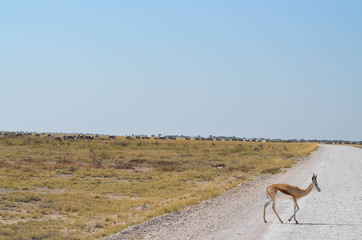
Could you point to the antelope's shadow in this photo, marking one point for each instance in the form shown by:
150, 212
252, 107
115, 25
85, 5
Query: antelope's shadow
324, 224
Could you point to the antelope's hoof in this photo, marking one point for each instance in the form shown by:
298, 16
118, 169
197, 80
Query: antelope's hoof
265, 221
289, 219
296, 222
281, 221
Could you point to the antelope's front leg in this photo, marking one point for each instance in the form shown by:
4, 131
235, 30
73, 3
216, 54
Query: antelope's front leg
296, 208
295, 215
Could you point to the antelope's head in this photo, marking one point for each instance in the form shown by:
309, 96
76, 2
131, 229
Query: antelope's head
315, 183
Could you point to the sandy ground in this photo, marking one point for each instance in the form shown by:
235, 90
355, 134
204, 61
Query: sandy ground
333, 213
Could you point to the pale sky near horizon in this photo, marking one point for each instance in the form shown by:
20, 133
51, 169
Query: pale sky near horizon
272, 69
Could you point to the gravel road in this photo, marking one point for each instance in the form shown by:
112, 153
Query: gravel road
333, 213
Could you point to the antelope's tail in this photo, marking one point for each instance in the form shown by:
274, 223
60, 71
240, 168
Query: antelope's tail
266, 193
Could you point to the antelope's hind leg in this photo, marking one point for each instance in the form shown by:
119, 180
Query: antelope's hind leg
266, 204
273, 207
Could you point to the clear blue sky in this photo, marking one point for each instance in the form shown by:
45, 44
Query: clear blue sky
274, 69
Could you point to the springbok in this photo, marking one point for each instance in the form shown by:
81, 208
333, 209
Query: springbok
285, 191
217, 166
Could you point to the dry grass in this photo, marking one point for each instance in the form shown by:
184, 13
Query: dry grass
61, 190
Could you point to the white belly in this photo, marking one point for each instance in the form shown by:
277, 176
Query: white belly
283, 196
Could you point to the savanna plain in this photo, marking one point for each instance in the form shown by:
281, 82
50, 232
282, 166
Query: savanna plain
84, 189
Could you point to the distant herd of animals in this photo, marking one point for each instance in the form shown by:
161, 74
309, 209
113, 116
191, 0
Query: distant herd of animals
54, 137
65, 137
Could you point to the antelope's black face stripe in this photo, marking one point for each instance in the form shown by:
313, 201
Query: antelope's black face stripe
316, 185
